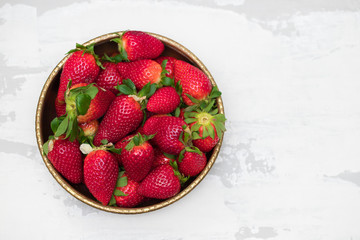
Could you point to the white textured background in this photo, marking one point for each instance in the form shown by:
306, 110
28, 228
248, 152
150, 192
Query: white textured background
289, 72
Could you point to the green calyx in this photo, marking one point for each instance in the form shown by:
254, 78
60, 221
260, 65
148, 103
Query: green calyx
77, 103
128, 88
208, 119
138, 140
87, 49
177, 173
122, 181
123, 54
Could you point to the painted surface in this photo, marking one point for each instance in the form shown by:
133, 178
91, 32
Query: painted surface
290, 163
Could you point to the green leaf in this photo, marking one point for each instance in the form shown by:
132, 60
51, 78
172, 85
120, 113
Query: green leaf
62, 127
190, 114
46, 147
130, 146
169, 156
151, 91
112, 201
166, 81
82, 103
55, 124
205, 132
122, 182
218, 130
215, 111
195, 127
121, 173
177, 112
211, 131
181, 155
163, 64
115, 150
215, 92
124, 55
194, 100
125, 90
209, 106
190, 120
92, 91
119, 193
145, 90
69, 129
220, 117
193, 150
104, 141
130, 84
195, 136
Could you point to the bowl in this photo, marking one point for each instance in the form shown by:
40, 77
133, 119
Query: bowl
46, 112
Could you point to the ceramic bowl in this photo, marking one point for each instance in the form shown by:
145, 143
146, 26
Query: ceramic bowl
46, 112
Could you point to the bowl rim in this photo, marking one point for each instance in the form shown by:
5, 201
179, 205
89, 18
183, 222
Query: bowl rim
113, 209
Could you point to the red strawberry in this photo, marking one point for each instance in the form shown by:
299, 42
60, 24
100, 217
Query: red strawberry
125, 113
98, 105
193, 81
66, 158
151, 124
122, 144
124, 116
206, 125
60, 107
90, 128
81, 67
84, 103
137, 157
169, 65
109, 77
161, 183
161, 158
168, 130
164, 100
208, 143
140, 72
192, 163
100, 174
128, 196
135, 45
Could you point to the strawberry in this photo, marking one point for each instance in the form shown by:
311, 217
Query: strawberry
65, 157
206, 125
160, 183
81, 67
109, 77
90, 128
60, 108
125, 113
100, 174
140, 72
122, 144
98, 105
164, 100
161, 158
124, 116
193, 81
84, 103
135, 45
169, 132
192, 163
137, 157
151, 124
125, 194
169, 67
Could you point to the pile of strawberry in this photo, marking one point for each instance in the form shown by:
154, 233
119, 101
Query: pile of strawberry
135, 125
